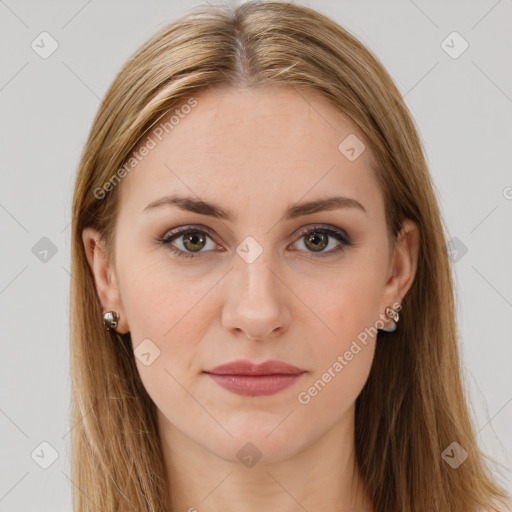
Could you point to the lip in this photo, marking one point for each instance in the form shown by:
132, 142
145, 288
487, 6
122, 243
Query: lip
245, 367
249, 379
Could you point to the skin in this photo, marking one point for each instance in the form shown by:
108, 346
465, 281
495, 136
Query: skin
255, 152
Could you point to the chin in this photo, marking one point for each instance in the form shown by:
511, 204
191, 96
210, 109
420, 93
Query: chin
261, 444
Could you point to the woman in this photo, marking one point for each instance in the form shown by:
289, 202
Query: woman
262, 306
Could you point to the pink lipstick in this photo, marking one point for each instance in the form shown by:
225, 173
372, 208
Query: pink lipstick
246, 378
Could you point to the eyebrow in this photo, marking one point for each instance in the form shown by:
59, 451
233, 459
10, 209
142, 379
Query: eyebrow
192, 204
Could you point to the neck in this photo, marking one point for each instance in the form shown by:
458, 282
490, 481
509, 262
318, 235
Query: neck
322, 476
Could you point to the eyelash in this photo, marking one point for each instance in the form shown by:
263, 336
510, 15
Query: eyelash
338, 235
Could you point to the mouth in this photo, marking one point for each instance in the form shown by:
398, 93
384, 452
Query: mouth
249, 379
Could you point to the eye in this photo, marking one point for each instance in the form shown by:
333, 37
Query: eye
317, 238
191, 241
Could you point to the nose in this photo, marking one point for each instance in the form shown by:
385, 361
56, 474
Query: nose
257, 300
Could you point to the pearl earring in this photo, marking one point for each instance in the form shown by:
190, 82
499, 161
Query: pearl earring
110, 320
393, 315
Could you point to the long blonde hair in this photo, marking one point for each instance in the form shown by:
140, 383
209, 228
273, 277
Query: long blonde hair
413, 405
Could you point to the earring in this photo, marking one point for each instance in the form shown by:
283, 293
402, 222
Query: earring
110, 320
393, 315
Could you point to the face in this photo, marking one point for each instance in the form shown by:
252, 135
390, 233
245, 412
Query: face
266, 280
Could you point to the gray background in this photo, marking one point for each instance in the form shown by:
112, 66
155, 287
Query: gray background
462, 107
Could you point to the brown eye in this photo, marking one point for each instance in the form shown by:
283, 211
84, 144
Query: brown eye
316, 241
194, 241
188, 242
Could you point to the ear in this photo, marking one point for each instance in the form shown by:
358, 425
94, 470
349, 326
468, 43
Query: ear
104, 276
403, 265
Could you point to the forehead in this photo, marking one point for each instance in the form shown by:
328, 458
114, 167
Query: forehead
237, 145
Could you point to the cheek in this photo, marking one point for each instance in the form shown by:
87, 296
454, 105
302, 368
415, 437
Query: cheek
169, 311
346, 305
168, 318
332, 391
345, 343
342, 361
161, 299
